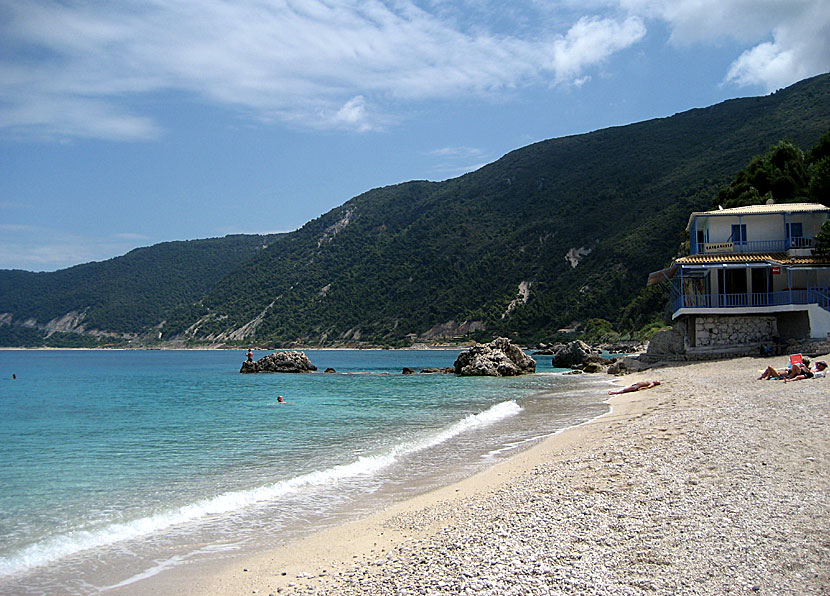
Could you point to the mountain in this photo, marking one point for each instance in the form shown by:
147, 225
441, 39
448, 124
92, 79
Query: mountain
117, 299
561, 231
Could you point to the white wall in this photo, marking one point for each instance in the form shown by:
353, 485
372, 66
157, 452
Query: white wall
819, 322
760, 227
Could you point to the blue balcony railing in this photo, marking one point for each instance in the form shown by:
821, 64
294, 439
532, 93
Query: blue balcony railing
751, 246
820, 296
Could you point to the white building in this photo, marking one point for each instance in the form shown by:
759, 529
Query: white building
751, 278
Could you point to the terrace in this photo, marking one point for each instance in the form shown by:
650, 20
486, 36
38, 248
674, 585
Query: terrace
817, 295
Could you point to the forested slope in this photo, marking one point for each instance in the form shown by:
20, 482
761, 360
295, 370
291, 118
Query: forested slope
126, 295
401, 260
561, 231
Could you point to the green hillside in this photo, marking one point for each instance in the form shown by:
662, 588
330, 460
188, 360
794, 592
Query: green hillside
122, 297
556, 233
396, 262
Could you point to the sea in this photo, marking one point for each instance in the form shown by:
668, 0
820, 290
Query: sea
117, 466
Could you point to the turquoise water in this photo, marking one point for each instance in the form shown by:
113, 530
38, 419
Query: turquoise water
110, 458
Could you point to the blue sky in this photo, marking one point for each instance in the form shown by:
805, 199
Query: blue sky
125, 124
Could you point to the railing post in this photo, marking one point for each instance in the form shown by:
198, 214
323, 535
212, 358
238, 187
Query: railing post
790, 284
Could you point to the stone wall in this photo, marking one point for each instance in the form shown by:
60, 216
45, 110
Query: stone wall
717, 331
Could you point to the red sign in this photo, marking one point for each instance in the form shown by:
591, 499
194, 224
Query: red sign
776, 270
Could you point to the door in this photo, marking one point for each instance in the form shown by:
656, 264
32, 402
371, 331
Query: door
733, 287
761, 286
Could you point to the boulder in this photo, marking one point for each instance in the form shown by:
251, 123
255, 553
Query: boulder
499, 358
668, 344
629, 364
283, 362
593, 367
618, 368
330, 370
572, 354
407, 371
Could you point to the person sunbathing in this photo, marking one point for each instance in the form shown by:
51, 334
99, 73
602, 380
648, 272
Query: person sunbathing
635, 387
806, 373
789, 373
775, 374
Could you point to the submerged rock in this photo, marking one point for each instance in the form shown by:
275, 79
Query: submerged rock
499, 358
283, 362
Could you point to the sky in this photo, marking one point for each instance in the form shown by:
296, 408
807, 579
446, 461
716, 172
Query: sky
129, 123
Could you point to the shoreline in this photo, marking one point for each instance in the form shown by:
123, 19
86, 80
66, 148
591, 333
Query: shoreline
308, 564
711, 483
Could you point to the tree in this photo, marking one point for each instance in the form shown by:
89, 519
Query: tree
818, 168
780, 175
823, 241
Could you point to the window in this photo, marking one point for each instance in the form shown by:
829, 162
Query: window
739, 233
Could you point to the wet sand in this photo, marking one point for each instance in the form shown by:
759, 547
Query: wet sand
712, 483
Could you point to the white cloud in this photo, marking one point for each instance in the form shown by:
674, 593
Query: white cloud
81, 69
55, 116
789, 39
590, 41
354, 115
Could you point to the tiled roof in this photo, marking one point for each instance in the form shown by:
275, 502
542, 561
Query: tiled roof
779, 258
703, 259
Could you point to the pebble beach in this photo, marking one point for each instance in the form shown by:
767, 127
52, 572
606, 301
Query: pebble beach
712, 483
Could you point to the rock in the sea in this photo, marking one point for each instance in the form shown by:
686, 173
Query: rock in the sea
499, 358
593, 367
575, 353
284, 362
548, 350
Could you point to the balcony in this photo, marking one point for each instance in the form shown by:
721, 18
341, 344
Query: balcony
754, 246
818, 295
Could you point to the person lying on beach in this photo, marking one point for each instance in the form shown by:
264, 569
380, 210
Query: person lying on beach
806, 373
635, 387
774, 374
795, 370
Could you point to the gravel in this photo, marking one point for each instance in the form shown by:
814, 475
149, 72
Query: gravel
721, 486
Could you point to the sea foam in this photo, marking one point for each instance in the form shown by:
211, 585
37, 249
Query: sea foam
70, 543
